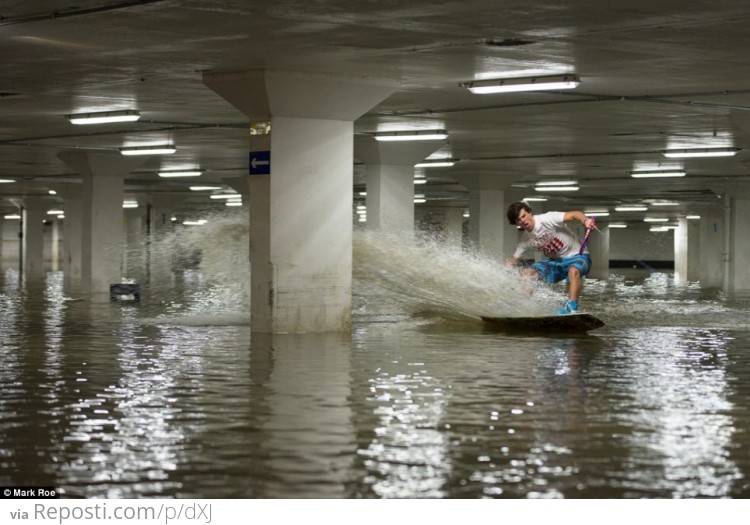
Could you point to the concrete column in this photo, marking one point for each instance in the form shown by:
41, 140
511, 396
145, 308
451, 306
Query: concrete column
487, 222
737, 242
57, 227
681, 251
33, 216
300, 212
686, 253
102, 190
72, 237
489, 231
598, 246
390, 181
710, 255
694, 242
135, 236
9, 238
454, 227
390, 199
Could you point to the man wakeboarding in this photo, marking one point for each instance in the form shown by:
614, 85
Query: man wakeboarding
565, 257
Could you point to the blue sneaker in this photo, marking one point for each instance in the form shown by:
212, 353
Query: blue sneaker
570, 307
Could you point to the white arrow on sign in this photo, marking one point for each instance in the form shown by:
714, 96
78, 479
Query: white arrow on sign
255, 162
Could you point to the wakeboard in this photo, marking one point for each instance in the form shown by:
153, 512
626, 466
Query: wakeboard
550, 323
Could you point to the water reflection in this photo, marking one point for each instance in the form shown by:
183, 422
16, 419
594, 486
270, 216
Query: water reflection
407, 456
308, 426
176, 398
679, 414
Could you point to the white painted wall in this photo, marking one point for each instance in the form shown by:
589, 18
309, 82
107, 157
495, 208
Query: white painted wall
637, 243
9, 229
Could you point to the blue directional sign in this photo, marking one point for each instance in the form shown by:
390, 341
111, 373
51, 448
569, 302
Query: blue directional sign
260, 163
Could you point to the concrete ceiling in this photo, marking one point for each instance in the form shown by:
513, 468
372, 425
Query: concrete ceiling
655, 75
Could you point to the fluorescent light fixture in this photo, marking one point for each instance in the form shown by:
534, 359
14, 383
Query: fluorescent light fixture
225, 196
597, 213
180, 173
6, 181
466, 214
12, 216
693, 217
658, 229
665, 203
427, 134
233, 203
648, 174
534, 199
556, 188
557, 183
445, 163
508, 85
205, 188
617, 225
104, 117
55, 212
420, 181
52, 192
130, 204
420, 201
700, 152
161, 149
631, 208
200, 222
363, 193
655, 219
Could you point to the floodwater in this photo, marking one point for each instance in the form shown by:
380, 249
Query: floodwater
173, 397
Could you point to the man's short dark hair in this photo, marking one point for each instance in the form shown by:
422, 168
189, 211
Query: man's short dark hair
514, 210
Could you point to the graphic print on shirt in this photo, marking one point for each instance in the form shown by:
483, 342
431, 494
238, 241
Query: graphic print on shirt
549, 244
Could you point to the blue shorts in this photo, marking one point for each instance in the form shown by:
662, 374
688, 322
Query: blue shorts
555, 270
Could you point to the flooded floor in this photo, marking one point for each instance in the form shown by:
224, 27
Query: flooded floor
169, 399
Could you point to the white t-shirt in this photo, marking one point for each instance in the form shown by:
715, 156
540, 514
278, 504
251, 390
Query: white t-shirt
550, 236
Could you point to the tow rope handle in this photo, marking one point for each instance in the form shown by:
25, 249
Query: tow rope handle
586, 236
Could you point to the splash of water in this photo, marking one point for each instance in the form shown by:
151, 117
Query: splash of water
209, 264
435, 276
419, 275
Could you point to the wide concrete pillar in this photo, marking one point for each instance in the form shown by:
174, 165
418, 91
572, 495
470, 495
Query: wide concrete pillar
489, 231
56, 252
71, 236
135, 243
301, 203
454, 226
686, 252
102, 233
390, 181
737, 242
598, 246
486, 228
711, 252
34, 213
